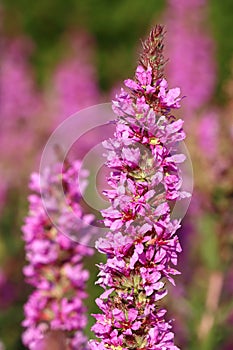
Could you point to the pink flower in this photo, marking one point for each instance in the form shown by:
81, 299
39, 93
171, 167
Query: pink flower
144, 78
55, 266
189, 44
169, 98
142, 246
74, 83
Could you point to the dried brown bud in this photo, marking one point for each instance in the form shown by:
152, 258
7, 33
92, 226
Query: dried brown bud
153, 52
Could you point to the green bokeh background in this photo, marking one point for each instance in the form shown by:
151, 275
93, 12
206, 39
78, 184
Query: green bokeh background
116, 27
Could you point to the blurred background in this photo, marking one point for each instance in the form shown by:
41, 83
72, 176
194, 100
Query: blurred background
57, 57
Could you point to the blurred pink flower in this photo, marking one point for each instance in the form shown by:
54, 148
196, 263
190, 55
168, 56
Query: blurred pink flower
74, 83
7, 290
192, 50
208, 133
20, 103
55, 262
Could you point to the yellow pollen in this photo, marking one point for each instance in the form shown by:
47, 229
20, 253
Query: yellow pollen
154, 141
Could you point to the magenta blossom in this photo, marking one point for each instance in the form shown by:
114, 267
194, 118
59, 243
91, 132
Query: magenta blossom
55, 266
142, 246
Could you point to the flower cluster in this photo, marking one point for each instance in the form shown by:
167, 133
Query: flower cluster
74, 82
55, 266
29, 113
188, 34
20, 104
142, 245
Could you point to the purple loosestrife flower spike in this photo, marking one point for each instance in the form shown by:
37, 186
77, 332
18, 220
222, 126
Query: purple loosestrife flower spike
142, 245
55, 268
